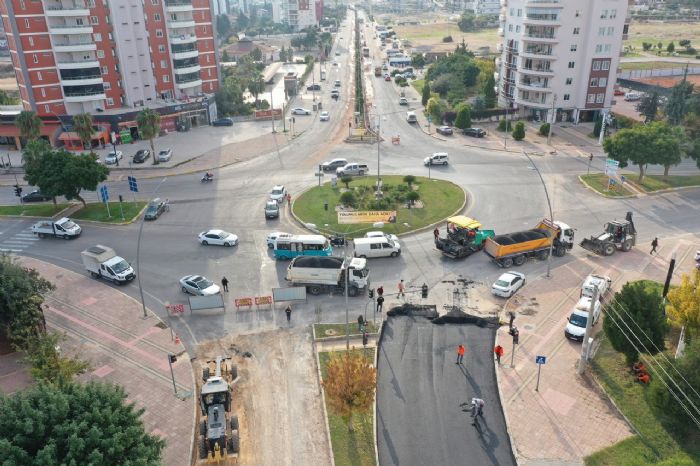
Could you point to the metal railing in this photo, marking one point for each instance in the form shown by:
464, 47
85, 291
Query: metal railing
79, 78
545, 52
84, 94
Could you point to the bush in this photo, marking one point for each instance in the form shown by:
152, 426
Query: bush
345, 179
464, 119
449, 117
447, 39
502, 125
348, 198
691, 51
519, 131
409, 180
544, 129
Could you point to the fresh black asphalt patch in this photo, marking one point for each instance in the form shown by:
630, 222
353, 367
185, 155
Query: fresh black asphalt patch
423, 396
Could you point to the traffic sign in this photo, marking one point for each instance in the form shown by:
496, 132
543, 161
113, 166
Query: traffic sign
133, 186
104, 193
541, 359
611, 167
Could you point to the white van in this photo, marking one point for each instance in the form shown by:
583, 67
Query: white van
376, 247
411, 117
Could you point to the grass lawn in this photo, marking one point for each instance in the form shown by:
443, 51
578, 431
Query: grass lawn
657, 182
662, 32
97, 212
32, 210
599, 182
431, 34
650, 65
418, 85
351, 448
655, 444
441, 199
332, 330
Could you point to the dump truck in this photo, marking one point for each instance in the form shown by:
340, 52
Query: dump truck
103, 262
218, 429
516, 248
618, 234
464, 237
64, 228
327, 274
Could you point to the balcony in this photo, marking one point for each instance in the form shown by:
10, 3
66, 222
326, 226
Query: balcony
187, 69
501, 32
534, 52
78, 64
542, 20
180, 24
74, 46
537, 70
178, 6
189, 84
187, 54
85, 97
538, 103
513, 65
82, 81
533, 85
59, 11
499, 47
183, 39
66, 29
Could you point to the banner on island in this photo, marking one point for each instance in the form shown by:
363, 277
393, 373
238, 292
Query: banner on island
367, 216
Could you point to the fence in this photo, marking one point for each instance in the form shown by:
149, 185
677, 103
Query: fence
660, 72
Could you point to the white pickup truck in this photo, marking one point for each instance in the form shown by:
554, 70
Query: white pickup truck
64, 228
103, 262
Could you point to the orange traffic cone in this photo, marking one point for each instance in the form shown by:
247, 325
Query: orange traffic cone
177, 339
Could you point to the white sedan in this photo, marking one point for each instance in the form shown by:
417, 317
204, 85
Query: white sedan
198, 285
507, 284
112, 157
300, 111
272, 238
325, 116
217, 238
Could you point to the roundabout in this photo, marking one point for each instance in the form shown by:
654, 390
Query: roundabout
408, 203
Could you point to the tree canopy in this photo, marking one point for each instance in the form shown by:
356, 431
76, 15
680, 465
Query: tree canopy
677, 103
648, 106
61, 173
655, 143
684, 302
350, 382
148, 122
29, 125
75, 424
82, 124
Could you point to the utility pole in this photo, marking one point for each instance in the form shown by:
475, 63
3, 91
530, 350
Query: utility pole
554, 118
379, 127
589, 323
551, 215
272, 111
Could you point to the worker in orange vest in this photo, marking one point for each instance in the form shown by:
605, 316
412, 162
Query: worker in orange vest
498, 350
460, 354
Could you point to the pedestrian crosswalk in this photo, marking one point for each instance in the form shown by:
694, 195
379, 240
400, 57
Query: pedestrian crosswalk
17, 242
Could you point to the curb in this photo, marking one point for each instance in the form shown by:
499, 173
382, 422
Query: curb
589, 187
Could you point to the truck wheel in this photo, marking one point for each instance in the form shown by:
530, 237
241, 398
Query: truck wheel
65, 237
507, 262
234, 443
203, 449
234, 422
543, 255
609, 249
352, 291
627, 245
202, 427
519, 260
560, 251
315, 290
363, 257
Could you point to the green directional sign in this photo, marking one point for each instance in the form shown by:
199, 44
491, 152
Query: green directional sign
125, 136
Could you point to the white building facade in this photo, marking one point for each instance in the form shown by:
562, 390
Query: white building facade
559, 58
484, 7
299, 14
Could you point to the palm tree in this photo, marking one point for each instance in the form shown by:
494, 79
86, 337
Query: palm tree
148, 122
82, 125
29, 125
256, 86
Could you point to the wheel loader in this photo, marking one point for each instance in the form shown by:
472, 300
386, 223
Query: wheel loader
618, 234
218, 428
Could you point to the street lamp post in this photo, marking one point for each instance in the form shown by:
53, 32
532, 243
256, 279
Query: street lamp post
551, 216
554, 118
138, 252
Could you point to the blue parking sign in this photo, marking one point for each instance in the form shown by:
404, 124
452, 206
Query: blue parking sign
541, 359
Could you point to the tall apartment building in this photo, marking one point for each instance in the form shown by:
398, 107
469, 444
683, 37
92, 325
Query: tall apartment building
299, 14
484, 7
76, 56
560, 54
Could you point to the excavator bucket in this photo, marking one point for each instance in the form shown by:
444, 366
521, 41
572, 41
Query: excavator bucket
591, 244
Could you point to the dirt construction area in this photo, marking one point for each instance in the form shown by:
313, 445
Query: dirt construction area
277, 397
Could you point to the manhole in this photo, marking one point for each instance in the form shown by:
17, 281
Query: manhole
528, 311
330, 332
161, 325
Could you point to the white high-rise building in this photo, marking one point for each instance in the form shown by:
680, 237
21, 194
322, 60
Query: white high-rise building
560, 54
484, 7
299, 14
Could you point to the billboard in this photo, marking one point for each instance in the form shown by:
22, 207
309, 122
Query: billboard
368, 216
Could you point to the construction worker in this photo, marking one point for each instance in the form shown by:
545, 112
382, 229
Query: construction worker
402, 288
380, 303
498, 350
477, 409
460, 354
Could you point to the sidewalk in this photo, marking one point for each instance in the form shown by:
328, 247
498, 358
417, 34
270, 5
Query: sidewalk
106, 328
569, 417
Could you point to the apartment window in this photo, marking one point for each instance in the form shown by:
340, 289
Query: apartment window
209, 72
576, 31
204, 28
613, 14
573, 47
110, 101
159, 33
520, 12
31, 41
156, 17
91, 3
106, 19
166, 79
598, 48
163, 64
47, 109
606, 66
517, 28
602, 82
38, 76
155, 2
510, 28
100, 54
607, 48
512, 11
578, 13
611, 30
161, 48
43, 92
98, 37
599, 98
590, 98
22, 5
105, 70
35, 58
601, 31
569, 81
26, 23
107, 85
567, 96
94, 20
572, 64
114, 53
109, 35
173, 16
604, 14
594, 82
208, 58
596, 65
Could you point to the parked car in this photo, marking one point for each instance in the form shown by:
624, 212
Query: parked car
601, 282
353, 169
35, 196
618, 92
474, 132
156, 207
217, 238
313, 87
385, 67
337, 54
576, 327
142, 155
403, 101
438, 158
272, 209
165, 155
381, 234
507, 284
112, 157
335, 63
278, 193
324, 116
633, 96
387, 77
335, 94
333, 165
222, 122
444, 130
198, 285
337, 83
272, 237
300, 111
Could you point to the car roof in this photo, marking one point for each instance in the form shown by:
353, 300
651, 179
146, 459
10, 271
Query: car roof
510, 275
270, 202
278, 186
215, 231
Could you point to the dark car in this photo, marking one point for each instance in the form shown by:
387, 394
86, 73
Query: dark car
142, 155
474, 132
445, 130
335, 94
155, 208
222, 122
36, 196
313, 87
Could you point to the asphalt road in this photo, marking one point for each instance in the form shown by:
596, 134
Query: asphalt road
423, 414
